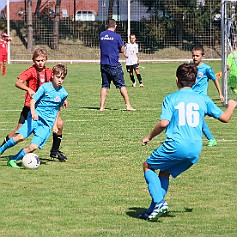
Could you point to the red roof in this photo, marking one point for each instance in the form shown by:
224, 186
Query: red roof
17, 9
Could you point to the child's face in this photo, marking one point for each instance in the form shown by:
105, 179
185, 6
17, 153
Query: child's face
58, 79
132, 39
197, 57
40, 62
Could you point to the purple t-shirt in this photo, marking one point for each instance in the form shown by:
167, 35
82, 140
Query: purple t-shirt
110, 45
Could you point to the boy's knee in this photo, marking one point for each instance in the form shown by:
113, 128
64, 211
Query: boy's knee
145, 166
164, 173
59, 123
32, 147
19, 138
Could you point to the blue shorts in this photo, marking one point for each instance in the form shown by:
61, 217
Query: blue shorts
163, 161
112, 73
39, 128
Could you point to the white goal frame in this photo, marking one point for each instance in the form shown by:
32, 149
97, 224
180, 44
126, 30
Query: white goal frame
227, 15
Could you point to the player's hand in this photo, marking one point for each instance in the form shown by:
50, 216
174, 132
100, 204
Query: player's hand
222, 98
31, 92
35, 116
55, 129
232, 103
145, 140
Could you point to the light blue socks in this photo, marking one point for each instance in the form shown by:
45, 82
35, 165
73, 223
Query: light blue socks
8, 144
19, 155
164, 183
206, 131
154, 185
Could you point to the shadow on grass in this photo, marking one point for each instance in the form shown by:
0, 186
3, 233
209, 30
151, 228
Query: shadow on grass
134, 212
96, 108
43, 161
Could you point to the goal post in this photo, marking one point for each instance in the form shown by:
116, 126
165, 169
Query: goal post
228, 37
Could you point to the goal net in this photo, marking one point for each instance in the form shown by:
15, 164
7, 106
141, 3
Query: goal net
229, 49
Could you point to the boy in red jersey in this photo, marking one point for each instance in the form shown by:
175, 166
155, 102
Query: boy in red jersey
30, 80
4, 39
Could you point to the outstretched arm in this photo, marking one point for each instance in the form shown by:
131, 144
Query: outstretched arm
159, 128
226, 116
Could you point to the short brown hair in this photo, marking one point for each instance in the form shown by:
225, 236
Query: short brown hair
186, 74
59, 69
198, 48
111, 23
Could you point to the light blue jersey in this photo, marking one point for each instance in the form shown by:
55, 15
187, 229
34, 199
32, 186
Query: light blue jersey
205, 72
48, 102
185, 110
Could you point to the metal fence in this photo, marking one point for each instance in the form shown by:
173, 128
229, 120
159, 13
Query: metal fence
165, 29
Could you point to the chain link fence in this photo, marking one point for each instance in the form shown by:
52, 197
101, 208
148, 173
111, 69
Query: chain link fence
165, 29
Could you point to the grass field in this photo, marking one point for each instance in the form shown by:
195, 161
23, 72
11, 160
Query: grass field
101, 190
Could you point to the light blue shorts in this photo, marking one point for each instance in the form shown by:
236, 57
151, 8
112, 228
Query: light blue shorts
160, 160
39, 128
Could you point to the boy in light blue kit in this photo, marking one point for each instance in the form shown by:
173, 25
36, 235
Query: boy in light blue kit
44, 109
182, 117
205, 73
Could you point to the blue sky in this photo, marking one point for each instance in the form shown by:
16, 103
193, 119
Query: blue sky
3, 3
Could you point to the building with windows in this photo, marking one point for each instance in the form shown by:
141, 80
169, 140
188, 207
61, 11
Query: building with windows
81, 10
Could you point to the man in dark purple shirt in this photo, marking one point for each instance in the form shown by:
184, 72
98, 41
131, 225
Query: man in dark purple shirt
111, 45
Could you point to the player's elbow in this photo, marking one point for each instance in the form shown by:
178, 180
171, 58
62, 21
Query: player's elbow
225, 118
164, 123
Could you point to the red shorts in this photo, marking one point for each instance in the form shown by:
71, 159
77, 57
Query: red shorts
3, 58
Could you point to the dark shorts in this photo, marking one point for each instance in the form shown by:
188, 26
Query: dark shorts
130, 68
112, 73
23, 115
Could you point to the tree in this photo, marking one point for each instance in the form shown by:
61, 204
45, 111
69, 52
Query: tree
110, 9
37, 9
184, 19
56, 25
29, 25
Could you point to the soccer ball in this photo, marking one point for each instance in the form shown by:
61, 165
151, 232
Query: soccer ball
31, 161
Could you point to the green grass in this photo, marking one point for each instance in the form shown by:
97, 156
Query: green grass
101, 190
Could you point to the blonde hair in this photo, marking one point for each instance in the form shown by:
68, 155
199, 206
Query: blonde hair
39, 51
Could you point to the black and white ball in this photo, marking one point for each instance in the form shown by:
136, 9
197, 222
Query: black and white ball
31, 161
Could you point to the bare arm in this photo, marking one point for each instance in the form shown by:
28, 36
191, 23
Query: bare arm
65, 104
159, 128
20, 84
226, 116
217, 84
32, 109
122, 49
138, 61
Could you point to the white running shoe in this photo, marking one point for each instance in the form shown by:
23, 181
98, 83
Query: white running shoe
159, 209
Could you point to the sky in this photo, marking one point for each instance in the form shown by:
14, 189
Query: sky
3, 3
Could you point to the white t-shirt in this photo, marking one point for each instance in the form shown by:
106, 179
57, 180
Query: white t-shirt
131, 50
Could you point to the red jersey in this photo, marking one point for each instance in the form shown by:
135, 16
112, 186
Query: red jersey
3, 47
34, 79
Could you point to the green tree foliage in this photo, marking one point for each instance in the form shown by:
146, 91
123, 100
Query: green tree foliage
186, 19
